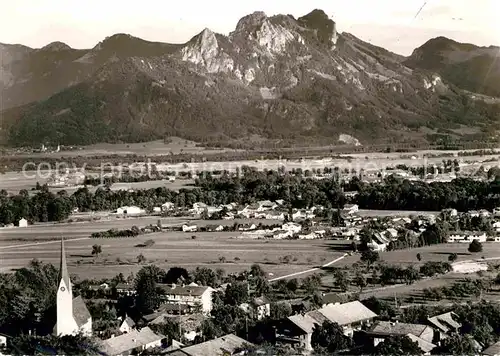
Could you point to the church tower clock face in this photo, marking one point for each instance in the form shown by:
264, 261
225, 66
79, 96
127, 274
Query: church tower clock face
62, 289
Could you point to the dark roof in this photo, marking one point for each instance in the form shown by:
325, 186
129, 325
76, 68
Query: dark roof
332, 298
183, 290
389, 328
126, 342
125, 286
80, 311
225, 345
445, 322
258, 301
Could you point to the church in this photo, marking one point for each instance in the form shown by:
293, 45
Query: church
73, 317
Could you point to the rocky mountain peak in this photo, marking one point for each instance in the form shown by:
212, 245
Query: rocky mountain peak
324, 28
250, 22
56, 46
204, 50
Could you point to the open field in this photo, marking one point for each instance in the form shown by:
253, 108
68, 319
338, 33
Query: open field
152, 148
170, 249
13, 182
405, 258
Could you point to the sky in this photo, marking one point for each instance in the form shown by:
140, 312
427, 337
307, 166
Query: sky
394, 24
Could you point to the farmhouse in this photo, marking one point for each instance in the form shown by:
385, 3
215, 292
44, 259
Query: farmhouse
266, 205
445, 323
127, 325
422, 334
379, 242
168, 206
350, 209
226, 345
259, 307
23, 223
189, 228
191, 295
135, 340
298, 328
130, 210
125, 289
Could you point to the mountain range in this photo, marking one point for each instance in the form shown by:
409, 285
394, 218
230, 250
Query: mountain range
274, 79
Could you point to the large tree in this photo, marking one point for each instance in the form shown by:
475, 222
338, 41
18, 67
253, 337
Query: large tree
329, 337
398, 345
147, 295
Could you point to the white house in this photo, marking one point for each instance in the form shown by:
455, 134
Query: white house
266, 205
157, 209
167, 206
189, 228
23, 223
467, 236
379, 242
3, 341
294, 228
351, 208
496, 226
299, 328
134, 340
127, 325
191, 295
259, 307
130, 210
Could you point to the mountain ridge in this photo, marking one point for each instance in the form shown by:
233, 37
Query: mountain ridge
277, 77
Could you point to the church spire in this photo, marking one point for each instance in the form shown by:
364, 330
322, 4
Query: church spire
63, 269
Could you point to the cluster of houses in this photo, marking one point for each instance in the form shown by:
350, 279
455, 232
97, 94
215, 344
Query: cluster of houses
356, 319
188, 305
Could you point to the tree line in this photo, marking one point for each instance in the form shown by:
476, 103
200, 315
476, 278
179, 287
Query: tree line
296, 190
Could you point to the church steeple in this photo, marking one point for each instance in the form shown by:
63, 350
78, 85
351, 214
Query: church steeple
66, 324
63, 269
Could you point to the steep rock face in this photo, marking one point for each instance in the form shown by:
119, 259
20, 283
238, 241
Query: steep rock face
281, 78
473, 68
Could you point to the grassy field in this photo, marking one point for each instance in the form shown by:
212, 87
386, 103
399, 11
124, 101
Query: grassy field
170, 249
413, 293
13, 182
152, 148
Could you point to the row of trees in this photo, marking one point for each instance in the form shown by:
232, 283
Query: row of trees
252, 185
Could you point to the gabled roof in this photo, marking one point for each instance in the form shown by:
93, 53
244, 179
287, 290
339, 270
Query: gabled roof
389, 328
493, 350
225, 345
184, 290
126, 342
424, 345
128, 320
80, 312
304, 322
445, 322
347, 313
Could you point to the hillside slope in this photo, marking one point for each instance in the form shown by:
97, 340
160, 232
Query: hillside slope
276, 77
473, 68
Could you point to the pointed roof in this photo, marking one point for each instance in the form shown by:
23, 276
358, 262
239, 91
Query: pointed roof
80, 312
63, 269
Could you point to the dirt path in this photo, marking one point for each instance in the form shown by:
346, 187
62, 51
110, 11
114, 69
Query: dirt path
309, 270
42, 243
